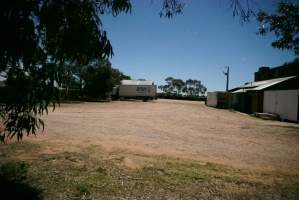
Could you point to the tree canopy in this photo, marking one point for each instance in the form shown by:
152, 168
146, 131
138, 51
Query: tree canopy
39, 38
284, 23
190, 87
99, 79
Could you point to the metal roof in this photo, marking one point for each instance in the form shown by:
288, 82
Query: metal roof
261, 85
137, 82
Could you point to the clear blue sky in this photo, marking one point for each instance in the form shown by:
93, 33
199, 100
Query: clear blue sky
197, 44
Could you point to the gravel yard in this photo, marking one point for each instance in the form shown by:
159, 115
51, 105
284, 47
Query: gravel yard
178, 129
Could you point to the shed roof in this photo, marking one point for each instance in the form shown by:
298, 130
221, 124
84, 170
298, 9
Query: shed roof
261, 85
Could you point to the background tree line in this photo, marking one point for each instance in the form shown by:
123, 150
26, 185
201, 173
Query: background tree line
179, 89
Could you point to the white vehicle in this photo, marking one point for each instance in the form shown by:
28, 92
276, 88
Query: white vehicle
135, 89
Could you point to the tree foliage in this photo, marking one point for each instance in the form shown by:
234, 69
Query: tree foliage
190, 87
99, 79
240, 8
243, 9
171, 8
284, 23
38, 39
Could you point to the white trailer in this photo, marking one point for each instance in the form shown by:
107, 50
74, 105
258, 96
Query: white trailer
136, 89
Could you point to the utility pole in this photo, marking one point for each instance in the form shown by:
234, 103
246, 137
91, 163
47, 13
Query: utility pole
227, 77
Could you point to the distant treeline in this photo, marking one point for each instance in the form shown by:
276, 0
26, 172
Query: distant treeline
190, 89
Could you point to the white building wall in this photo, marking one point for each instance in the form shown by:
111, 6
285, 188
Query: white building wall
282, 102
212, 99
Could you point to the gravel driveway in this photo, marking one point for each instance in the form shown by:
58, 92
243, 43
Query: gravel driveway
181, 129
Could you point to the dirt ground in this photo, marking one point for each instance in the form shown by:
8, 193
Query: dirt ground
179, 129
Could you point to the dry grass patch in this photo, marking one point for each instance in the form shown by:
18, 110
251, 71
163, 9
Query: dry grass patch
92, 175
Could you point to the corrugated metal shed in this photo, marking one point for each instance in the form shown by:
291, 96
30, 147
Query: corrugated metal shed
261, 85
137, 82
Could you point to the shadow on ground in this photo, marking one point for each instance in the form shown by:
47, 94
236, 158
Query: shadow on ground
14, 183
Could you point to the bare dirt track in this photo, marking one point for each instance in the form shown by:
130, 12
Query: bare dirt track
180, 129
